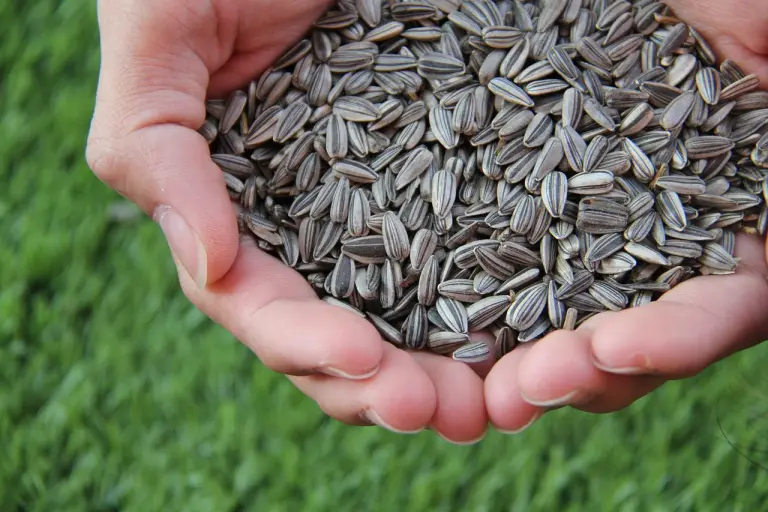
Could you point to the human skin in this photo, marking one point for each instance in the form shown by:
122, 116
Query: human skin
162, 59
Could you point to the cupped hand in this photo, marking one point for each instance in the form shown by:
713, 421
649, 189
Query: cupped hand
160, 60
615, 358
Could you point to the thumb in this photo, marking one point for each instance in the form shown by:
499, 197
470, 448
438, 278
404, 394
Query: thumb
143, 141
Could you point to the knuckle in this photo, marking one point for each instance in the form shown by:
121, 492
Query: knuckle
104, 158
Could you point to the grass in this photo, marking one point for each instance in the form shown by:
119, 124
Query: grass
116, 394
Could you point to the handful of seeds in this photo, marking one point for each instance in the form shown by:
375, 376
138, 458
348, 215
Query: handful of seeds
442, 166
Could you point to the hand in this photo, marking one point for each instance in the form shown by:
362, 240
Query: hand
615, 358
160, 60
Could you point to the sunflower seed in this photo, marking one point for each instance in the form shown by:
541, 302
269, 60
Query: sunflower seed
591, 183
504, 343
472, 353
536, 331
642, 166
343, 277
677, 111
515, 59
709, 85
739, 87
501, 36
365, 249
336, 141
595, 153
291, 121
485, 311
234, 109
682, 248
523, 215
707, 146
527, 307
493, 263
340, 203
356, 109
356, 172
562, 64
674, 39
687, 185
593, 53
508, 91
604, 247
445, 342
608, 295
416, 326
671, 210
458, 289
453, 313
440, 121
601, 216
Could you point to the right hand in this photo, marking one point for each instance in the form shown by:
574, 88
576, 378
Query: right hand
160, 60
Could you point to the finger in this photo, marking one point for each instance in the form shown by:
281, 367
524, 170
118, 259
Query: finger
400, 397
272, 310
459, 415
691, 326
620, 392
507, 410
558, 371
143, 142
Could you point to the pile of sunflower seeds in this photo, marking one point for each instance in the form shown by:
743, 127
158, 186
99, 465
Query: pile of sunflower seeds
447, 166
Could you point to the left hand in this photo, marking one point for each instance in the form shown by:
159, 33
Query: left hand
615, 358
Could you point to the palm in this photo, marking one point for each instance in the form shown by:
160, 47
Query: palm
251, 35
735, 28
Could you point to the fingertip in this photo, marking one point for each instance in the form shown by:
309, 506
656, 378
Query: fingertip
400, 397
407, 409
460, 416
616, 345
558, 370
221, 242
507, 411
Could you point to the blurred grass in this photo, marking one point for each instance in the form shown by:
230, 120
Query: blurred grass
116, 394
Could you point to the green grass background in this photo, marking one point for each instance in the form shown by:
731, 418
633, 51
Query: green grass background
116, 394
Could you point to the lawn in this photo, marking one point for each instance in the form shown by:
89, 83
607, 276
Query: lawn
117, 394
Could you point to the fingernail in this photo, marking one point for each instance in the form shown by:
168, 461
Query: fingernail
524, 427
335, 372
463, 443
635, 365
568, 398
186, 247
372, 416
